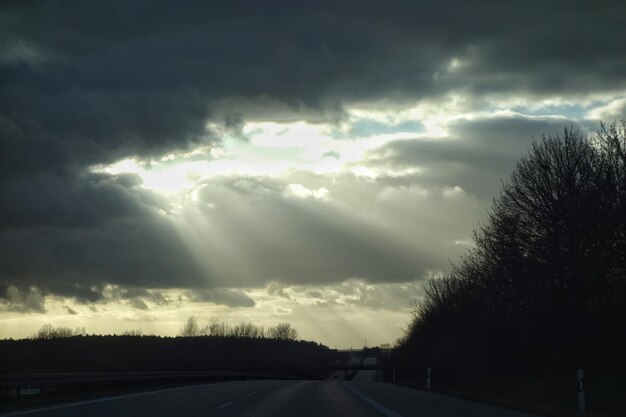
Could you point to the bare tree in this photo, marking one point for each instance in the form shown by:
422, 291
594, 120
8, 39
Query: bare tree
217, 328
282, 331
48, 331
248, 329
191, 328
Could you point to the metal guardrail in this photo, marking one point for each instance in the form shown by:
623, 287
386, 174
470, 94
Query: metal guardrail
40, 383
107, 376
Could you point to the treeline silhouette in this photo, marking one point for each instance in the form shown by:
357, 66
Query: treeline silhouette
63, 350
544, 287
282, 331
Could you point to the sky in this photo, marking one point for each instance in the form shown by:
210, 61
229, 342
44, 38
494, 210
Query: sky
307, 162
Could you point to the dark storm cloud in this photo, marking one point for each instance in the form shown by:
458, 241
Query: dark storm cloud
22, 301
84, 83
477, 156
223, 296
79, 262
138, 303
55, 131
139, 77
73, 202
134, 293
73, 235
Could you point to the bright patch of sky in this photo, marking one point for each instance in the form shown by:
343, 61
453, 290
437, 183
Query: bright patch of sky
272, 149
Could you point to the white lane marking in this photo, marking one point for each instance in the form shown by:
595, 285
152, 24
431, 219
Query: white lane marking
251, 393
375, 404
98, 400
224, 405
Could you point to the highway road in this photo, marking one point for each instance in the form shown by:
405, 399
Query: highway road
367, 375
278, 398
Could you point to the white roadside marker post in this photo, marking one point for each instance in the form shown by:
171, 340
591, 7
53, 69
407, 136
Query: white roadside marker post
428, 379
581, 392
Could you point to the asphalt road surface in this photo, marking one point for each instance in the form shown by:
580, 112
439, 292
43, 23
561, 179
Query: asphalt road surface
367, 375
278, 398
